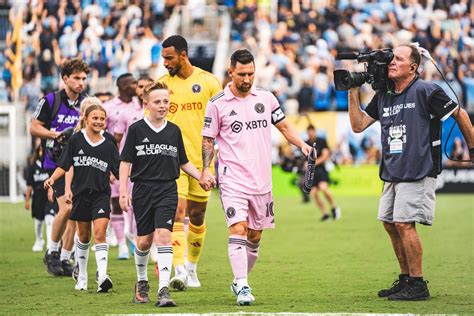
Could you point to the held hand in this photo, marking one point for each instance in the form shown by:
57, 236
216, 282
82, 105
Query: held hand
27, 205
124, 202
207, 180
48, 183
68, 196
51, 195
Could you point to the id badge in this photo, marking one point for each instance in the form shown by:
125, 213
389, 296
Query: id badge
396, 146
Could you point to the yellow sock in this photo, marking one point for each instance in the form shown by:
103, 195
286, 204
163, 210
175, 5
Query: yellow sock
179, 244
196, 235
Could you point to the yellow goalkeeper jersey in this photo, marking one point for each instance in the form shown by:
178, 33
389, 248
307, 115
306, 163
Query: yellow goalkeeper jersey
188, 100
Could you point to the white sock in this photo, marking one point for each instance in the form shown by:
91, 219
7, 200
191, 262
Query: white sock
48, 220
141, 263
38, 229
65, 254
76, 240
82, 258
165, 262
54, 247
241, 283
191, 266
101, 258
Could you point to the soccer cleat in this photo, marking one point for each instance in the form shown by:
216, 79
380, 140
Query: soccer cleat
396, 287
245, 297
38, 246
123, 252
67, 268
178, 282
336, 213
81, 284
235, 290
46, 258
75, 272
141, 292
164, 299
104, 285
325, 217
414, 290
192, 280
54, 265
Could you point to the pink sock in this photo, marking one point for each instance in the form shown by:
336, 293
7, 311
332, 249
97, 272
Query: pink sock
116, 221
252, 254
238, 256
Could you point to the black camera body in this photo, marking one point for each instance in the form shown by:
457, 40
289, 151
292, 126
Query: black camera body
376, 74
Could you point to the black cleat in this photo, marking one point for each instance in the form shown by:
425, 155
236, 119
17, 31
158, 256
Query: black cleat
325, 217
104, 285
46, 258
54, 265
164, 299
414, 290
68, 268
141, 292
396, 287
75, 272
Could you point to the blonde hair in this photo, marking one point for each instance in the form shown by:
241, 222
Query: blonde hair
153, 86
86, 102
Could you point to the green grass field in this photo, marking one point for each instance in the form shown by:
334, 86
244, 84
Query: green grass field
304, 266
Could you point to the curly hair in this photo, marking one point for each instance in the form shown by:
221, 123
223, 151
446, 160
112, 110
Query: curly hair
71, 66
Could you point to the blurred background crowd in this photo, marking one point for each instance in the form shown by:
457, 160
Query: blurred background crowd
295, 43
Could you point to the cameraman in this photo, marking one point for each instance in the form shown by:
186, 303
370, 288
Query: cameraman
56, 112
410, 120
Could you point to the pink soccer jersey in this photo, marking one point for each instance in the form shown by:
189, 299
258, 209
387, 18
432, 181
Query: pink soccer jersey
113, 108
127, 118
242, 129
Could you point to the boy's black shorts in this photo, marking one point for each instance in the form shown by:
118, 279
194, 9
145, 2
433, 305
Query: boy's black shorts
41, 206
154, 206
89, 206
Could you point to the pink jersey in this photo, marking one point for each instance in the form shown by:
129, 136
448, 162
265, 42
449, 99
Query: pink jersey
242, 128
127, 118
113, 108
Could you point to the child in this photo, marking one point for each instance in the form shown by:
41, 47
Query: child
42, 210
92, 158
154, 151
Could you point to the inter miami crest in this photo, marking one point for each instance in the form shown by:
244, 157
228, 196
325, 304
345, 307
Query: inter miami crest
196, 88
259, 108
230, 212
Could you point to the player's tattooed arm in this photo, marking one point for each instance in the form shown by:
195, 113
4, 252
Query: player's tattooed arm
207, 151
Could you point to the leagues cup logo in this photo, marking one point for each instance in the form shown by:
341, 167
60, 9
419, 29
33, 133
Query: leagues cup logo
173, 108
259, 108
140, 151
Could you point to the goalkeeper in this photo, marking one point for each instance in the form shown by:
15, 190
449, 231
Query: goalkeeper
240, 118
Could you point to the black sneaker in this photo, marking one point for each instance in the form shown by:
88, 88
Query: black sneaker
414, 290
46, 258
141, 292
54, 265
68, 268
75, 272
164, 299
396, 287
325, 217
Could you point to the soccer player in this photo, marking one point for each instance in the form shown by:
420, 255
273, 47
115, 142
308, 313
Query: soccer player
154, 151
124, 102
321, 176
240, 118
55, 112
42, 210
93, 158
190, 89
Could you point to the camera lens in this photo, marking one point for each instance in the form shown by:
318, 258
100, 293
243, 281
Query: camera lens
344, 80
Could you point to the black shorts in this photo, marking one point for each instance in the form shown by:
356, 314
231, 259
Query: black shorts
59, 185
89, 206
320, 175
40, 205
154, 206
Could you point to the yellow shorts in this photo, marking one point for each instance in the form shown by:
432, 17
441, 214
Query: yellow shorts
189, 188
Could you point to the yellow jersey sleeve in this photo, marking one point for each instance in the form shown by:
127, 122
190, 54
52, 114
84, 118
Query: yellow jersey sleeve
188, 100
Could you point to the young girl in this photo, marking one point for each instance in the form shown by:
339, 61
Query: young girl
42, 210
92, 158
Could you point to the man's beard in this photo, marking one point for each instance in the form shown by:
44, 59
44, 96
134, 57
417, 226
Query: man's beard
175, 70
244, 88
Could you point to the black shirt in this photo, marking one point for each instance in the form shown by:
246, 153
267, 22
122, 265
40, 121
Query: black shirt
36, 176
92, 163
155, 154
411, 130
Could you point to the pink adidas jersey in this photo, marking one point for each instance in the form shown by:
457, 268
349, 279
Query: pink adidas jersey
242, 128
113, 108
127, 118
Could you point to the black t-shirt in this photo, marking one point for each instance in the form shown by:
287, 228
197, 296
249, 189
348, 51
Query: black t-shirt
36, 176
411, 130
320, 145
92, 163
155, 154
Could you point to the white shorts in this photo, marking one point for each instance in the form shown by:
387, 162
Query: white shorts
255, 209
407, 202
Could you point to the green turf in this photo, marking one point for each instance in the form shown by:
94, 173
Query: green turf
304, 266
